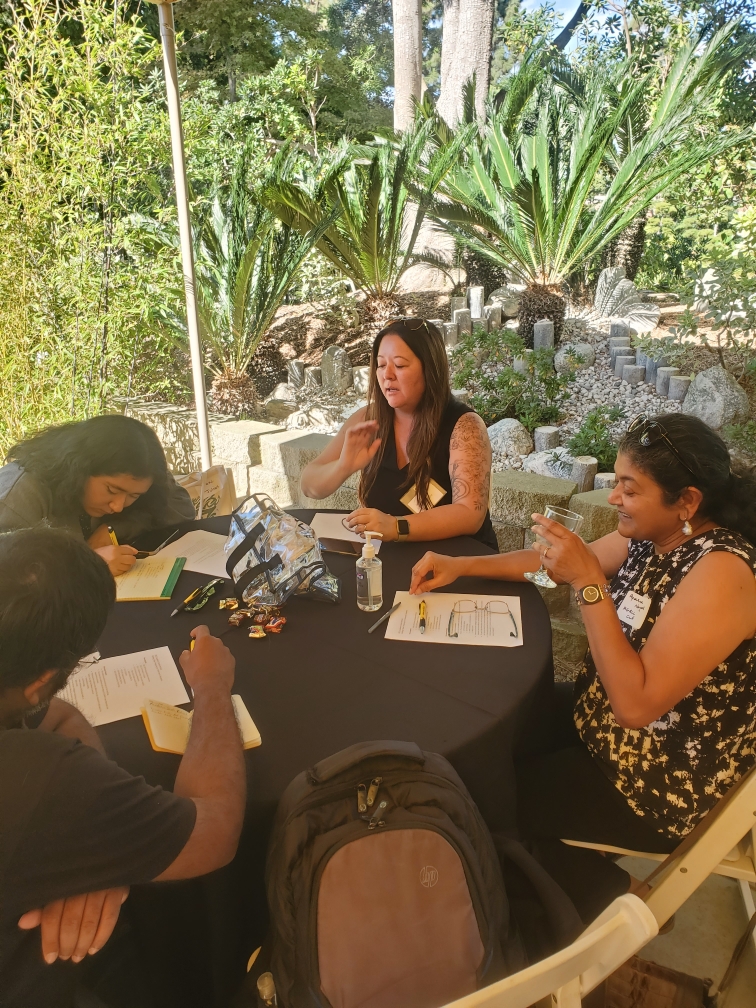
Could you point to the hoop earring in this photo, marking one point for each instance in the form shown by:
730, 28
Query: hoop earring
687, 528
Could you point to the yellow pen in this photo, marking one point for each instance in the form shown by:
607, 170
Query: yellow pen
191, 644
422, 609
113, 536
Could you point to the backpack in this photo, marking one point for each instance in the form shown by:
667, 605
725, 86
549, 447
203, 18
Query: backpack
384, 886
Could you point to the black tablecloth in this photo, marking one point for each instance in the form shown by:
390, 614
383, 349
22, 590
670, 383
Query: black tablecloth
321, 685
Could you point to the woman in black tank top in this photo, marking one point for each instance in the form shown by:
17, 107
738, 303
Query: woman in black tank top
424, 457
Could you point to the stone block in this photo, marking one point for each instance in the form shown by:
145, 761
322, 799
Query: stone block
522, 364
462, 395
569, 643
716, 398
296, 372
463, 319
335, 370
481, 326
546, 438
652, 368
620, 362
619, 329
476, 300
276, 485
509, 537
604, 481
663, 374
584, 469
361, 379
634, 374
515, 496
574, 357
450, 332
313, 377
543, 334
678, 387
343, 499
615, 341
510, 437
619, 351
493, 314
599, 516
457, 304
288, 452
557, 600
239, 440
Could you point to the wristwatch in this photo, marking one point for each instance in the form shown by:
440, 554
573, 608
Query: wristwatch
592, 594
402, 529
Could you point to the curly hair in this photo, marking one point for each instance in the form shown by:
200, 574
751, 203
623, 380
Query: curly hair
729, 491
63, 458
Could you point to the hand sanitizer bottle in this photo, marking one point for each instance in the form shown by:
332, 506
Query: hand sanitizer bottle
369, 576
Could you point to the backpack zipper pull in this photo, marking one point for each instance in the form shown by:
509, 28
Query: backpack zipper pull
362, 800
373, 790
373, 821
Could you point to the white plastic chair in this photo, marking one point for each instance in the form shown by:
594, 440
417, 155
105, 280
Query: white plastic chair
618, 933
723, 843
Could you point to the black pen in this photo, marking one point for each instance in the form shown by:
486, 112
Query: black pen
384, 617
194, 594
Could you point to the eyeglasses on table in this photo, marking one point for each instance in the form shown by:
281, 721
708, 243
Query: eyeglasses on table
495, 608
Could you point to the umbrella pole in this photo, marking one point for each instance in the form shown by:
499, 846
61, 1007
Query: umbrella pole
168, 37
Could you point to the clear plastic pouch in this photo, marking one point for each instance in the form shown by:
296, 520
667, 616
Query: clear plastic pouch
271, 555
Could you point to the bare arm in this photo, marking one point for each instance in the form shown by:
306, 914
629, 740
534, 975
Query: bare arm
470, 475
610, 552
64, 719
212, 770
710, 614
349, 451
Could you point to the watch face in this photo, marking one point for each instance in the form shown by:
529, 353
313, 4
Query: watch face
403, 526
591, 593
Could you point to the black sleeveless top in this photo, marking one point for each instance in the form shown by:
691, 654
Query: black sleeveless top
390, 482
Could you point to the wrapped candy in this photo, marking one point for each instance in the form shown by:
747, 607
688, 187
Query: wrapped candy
228, 603
276, 624
256, 631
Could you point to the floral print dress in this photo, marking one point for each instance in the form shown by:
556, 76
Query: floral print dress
675, 769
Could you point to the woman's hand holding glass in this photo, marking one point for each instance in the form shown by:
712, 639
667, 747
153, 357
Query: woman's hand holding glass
360, 445
564, 554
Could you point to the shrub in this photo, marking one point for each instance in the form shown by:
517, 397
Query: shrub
593, 437
534, 398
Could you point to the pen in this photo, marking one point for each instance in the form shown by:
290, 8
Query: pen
191, 644
384, 617
188, 599
422, 609
113, 536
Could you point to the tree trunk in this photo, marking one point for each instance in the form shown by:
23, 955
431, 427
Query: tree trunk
627, 248
408, 60
446, 100
471, 29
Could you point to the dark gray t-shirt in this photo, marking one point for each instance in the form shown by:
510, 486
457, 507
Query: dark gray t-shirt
71, 822
25, 501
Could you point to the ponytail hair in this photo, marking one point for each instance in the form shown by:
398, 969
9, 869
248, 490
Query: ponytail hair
729, 490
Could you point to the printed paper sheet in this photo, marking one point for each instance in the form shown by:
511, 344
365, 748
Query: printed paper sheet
479, 627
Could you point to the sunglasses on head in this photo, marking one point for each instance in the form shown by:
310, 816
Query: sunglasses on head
650, 431
406, 321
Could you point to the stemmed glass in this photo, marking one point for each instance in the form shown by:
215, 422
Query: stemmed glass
571, 521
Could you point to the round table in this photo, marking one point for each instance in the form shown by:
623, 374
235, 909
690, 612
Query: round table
321, 685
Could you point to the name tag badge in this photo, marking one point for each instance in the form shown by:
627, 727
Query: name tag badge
634, 609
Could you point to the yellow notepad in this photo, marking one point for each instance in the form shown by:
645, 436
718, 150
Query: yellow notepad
149, 580
168, 727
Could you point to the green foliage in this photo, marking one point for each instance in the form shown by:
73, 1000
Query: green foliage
245, 263
84, 143
742, 436
534, 397
593, 437
377, 197
560, 172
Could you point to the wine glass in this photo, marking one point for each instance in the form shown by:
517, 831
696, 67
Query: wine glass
571, 521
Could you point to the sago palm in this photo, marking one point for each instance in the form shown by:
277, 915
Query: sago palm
246, 259
543, 203
376, 198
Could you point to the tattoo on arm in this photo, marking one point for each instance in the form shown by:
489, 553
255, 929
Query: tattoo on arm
470, 462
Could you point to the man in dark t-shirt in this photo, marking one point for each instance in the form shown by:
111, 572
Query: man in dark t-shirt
71, 821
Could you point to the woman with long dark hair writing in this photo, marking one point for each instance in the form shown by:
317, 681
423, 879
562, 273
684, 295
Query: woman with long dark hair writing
108, 470
424, 457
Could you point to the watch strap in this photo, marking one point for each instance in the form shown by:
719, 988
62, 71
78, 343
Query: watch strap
591, 594
402, 529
